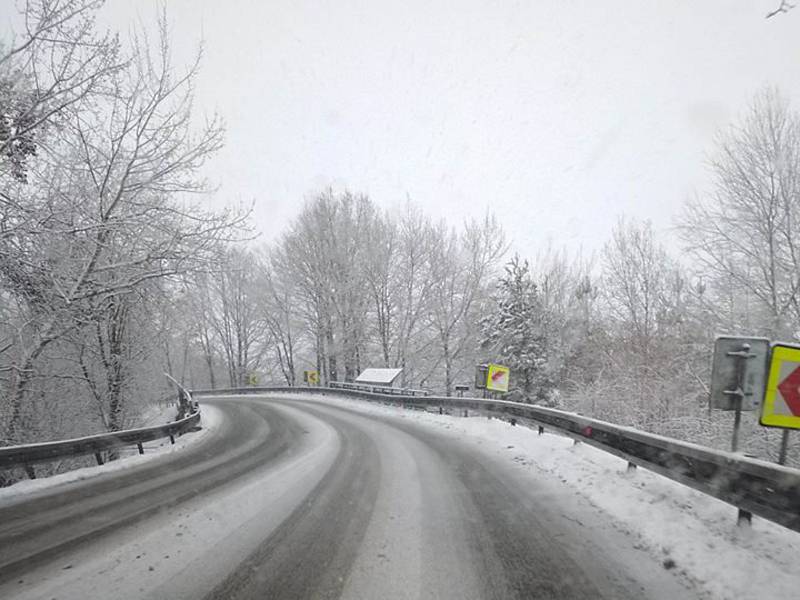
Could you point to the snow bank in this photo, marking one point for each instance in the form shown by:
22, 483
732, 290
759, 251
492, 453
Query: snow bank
683, 529
210, 419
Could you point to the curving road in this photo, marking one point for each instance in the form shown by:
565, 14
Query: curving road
301, 498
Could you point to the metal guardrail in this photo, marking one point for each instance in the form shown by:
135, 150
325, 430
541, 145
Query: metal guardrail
378, 389
762, 488
29, 454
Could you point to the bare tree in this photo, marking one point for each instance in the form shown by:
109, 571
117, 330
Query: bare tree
304, 252
381, 275
327, 250
111, 351
200, 304
463, 265
417, 240
744, 232
569, 294
102, 214
235, 315
278, 299
55, 64
635, 268
646, 346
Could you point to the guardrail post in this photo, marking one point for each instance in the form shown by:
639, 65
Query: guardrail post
30, 471
744, 518
171, 439
541, 430
141, 449
99, 458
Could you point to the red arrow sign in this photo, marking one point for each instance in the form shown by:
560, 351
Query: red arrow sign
500, 374
790, 390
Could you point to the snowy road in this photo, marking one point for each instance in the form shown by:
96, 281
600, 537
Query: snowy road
303, 499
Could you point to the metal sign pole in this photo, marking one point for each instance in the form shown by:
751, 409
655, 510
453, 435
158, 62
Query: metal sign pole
743, 517
739, 393
737, 422
784, 447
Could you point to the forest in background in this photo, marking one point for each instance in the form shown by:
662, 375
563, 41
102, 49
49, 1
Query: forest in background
112, 271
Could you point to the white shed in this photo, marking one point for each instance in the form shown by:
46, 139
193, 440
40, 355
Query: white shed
379, 377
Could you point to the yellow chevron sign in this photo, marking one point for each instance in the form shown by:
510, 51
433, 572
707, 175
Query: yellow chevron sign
782, 398
497, 378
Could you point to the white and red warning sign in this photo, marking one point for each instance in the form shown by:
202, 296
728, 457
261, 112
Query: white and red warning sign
782, 398
497, 378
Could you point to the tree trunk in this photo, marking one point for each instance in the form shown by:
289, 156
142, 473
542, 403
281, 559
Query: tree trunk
19, 384
332, 370
210, 364
448, 369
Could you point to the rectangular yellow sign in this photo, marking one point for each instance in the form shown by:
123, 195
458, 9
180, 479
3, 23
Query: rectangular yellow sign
782, 398
497, 377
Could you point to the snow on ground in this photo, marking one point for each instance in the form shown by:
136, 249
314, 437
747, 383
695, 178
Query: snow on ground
210, 419
158, 413
682, 528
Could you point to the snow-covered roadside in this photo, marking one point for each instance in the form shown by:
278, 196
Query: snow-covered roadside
156, 414
210, 420
683, 529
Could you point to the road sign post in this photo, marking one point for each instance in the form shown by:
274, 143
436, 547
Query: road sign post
784, 447
480, 378
738, 394
742, 356
737, 377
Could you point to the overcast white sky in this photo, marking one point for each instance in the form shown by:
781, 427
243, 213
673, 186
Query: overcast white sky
559, 116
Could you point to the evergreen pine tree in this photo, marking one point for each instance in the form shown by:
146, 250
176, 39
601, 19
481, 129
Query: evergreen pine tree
515, 333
